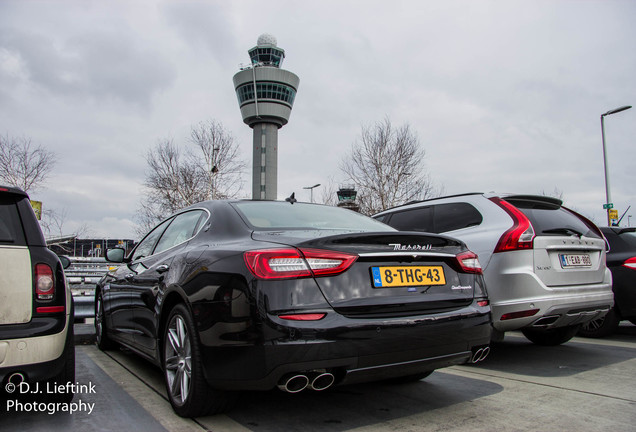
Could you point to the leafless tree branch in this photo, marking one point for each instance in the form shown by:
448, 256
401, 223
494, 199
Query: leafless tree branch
386, 167
178, 177
24, 165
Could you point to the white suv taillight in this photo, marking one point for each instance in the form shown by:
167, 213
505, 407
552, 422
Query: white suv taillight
44, 282
520, 235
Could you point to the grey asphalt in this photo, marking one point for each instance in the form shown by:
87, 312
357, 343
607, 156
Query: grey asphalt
584, 385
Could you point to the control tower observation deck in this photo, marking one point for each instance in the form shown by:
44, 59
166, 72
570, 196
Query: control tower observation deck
266, 96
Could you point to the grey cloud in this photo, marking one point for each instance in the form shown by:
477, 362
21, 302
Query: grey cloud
205, 25
98, 65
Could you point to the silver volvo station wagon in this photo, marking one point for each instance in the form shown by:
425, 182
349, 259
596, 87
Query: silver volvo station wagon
544, 264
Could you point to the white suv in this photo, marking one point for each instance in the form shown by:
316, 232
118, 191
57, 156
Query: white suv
36, 310
544, 264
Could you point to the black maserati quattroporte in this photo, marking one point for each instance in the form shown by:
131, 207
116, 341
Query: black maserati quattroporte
249, 295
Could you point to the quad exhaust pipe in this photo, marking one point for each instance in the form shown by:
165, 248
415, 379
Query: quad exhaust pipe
480, 354
297, 382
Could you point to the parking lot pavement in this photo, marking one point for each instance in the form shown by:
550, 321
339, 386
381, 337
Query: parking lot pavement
584, 385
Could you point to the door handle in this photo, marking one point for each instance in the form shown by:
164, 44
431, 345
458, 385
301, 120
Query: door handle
163, 268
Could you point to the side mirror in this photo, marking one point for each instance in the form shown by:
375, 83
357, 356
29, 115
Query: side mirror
115, 255
66, 262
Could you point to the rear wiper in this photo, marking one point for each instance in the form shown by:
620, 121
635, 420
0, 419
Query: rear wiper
566, 231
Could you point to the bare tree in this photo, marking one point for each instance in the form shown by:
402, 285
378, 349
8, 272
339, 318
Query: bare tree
556, 193
329, 195
178, 177
23, 164
221, 166
386, 167
52, 224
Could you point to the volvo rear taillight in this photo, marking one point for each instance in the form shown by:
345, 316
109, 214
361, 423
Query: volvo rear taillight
469, 262
44, 282
630, 263
520, 235
296, 263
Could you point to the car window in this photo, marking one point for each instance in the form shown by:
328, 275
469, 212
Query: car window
623, 242
11, 231
181, 229
280, 215
147, 245
437, 218
416, 219
549, 219
454, 216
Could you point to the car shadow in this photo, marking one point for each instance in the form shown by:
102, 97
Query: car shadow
517, 355
354, 406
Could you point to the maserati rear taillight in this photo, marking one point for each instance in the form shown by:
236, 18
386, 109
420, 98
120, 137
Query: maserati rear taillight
520, 235
44, 283
296, 263
469, 262
630, 263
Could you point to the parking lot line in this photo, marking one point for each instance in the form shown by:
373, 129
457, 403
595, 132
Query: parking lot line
152, 402
142, 377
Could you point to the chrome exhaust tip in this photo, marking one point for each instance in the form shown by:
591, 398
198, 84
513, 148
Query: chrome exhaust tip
480, 354
293, 383
322, 381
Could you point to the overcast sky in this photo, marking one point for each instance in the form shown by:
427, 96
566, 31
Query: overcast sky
504, 96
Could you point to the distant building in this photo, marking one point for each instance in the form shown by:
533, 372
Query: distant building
347, 197
95, 247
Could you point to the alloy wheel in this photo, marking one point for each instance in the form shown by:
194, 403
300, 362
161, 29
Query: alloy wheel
178, 360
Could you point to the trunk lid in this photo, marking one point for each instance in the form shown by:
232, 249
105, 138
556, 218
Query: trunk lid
16, 285
396, 273
561, 261
568, 249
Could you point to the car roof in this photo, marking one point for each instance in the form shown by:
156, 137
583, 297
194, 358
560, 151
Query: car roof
618, 230
520, 197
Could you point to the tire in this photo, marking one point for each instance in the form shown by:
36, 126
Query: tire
102, 340
409, 378
551, 337
601, 327
188, 391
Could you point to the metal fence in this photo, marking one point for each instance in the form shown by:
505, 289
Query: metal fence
82, 277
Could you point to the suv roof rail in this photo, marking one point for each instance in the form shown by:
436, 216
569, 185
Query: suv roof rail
431, 199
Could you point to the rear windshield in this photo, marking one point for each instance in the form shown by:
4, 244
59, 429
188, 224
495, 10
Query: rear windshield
549, 219
11, 231
623, 242
280, 215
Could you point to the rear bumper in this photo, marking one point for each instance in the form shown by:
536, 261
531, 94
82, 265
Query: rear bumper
38, 358
555, 310
353, 350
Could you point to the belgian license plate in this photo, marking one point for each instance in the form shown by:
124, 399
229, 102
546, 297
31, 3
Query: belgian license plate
575, 260
406, 276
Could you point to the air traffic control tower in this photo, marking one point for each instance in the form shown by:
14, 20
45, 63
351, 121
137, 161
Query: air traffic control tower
266, 95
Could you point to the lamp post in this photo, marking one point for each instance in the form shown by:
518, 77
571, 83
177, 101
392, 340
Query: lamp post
608, 197
311, 188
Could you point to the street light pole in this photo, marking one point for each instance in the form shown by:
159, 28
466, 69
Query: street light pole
311, 189
608, 196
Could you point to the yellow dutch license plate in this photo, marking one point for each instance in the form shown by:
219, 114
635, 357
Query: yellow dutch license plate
406, 276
